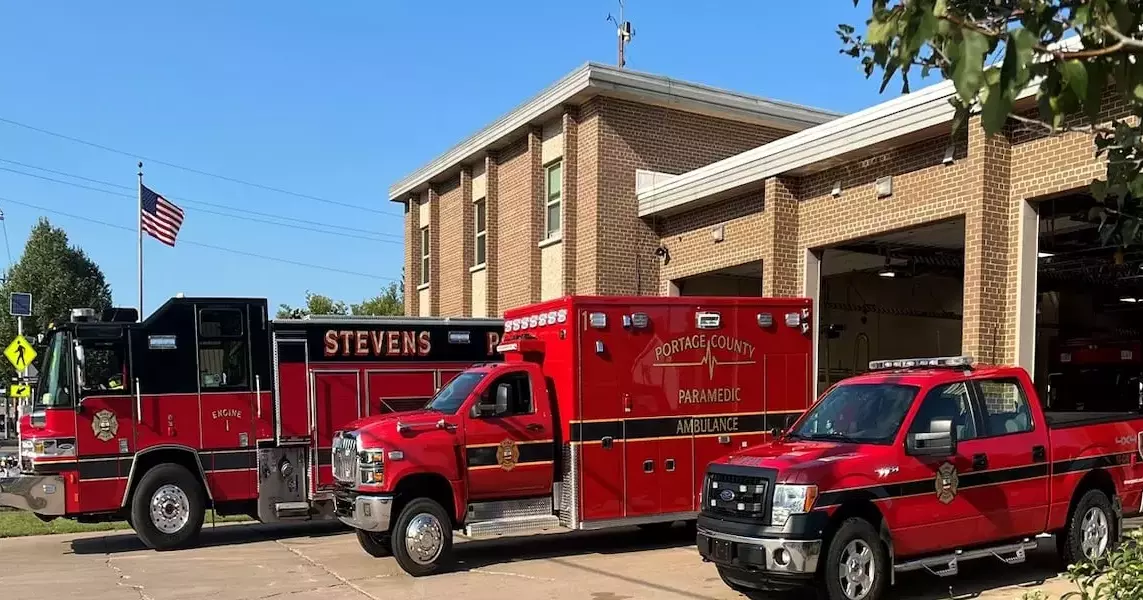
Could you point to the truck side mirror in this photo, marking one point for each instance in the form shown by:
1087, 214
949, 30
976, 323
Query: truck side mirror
939, 441
502, 398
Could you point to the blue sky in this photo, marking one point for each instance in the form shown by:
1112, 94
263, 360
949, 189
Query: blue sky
332, 101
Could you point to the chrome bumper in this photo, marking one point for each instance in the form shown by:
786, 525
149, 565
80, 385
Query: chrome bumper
41, 494
776, 555
370, 513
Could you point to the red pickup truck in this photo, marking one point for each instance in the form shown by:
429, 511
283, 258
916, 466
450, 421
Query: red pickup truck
919, 464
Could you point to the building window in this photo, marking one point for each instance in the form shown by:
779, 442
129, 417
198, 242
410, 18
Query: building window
553, 199
424, 255
481, 236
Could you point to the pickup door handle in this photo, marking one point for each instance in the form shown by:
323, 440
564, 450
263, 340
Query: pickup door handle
979, 462
535, 427
1039, 454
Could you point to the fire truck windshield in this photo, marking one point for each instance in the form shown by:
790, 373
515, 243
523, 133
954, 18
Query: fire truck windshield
452, 396
56, 379
859, 413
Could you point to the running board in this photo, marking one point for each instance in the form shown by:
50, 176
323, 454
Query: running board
292, 510
511, 526
945, 565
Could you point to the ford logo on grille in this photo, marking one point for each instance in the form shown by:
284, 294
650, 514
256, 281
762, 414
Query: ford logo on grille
726, 495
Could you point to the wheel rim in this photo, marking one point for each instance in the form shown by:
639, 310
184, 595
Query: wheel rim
1096, 533
857, 570
170, 509
424, 538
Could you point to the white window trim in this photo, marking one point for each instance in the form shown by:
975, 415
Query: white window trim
477, 235
426, 260
548, 202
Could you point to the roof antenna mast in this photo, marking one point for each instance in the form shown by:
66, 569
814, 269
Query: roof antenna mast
624, 31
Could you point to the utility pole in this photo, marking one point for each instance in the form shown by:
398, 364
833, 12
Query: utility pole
624, 32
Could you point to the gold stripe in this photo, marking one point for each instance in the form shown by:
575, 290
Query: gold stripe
518, 465
691, 416
525, 443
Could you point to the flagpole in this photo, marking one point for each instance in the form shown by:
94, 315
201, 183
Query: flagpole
139, 215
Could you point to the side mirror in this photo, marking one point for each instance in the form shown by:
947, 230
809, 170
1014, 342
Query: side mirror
502, 398
939, 441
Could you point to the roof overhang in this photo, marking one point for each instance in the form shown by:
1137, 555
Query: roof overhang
592, 80
912, 117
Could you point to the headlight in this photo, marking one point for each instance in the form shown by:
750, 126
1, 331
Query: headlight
791, 500
372, 466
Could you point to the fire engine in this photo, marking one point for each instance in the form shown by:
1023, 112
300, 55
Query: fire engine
920, 464
603, 413
208, 403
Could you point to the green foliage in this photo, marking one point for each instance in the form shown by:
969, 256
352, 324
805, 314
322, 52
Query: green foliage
1117, 575
389, 302
59, 277
993, 50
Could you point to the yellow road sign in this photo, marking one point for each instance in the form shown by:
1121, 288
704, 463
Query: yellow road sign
20, 390
20, 353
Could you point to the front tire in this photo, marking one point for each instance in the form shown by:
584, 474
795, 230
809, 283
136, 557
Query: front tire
167, 508
377, 545
857, 564
1091, 530
422, 538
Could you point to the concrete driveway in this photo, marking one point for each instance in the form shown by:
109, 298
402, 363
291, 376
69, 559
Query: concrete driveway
324, 562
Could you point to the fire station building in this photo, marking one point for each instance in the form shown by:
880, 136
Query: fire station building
910, 240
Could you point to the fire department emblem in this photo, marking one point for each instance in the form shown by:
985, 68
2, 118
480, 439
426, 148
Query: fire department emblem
104, 425
946, 483
507, 455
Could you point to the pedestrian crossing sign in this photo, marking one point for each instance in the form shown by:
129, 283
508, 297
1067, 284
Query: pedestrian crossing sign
20, 353
19, 390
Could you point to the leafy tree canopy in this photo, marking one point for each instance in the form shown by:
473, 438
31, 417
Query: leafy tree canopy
994, 49
389, 302
60, 277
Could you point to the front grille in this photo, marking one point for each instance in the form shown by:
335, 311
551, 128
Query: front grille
346, 466
733, 495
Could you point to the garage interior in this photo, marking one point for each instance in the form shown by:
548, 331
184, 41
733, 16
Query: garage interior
1089, 310
894, 295
739, 280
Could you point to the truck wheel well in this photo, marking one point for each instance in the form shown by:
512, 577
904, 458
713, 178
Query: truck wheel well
1097, 479
148, 460
425, 485
861, 509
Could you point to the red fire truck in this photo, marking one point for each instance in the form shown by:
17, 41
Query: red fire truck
919, 465
1095, 375
604, 413
208, 403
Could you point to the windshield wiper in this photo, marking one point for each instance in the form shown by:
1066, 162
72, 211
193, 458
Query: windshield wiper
836, 437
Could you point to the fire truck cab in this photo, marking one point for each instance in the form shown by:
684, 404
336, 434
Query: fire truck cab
604, 413
209, 403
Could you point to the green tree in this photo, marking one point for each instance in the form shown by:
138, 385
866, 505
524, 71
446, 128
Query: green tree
316, 304
992, 50
391, 301
59, 277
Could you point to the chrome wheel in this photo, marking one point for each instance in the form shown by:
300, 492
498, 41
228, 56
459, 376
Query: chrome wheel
857, 570
1096, 533
424, 538
170, 509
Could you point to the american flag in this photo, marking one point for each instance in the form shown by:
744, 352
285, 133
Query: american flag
161, 218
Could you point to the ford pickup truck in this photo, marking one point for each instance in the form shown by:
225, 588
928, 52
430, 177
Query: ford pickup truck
919, 464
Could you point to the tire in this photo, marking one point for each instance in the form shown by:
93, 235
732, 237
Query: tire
856, 542
377, 545
425, 526
1091, 526
179, 508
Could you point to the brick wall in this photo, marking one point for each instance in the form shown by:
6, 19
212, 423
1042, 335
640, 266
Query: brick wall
454, 270
412, 256
587, 212
514, 223
687, 238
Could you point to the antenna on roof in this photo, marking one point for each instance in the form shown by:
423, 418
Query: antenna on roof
624, 31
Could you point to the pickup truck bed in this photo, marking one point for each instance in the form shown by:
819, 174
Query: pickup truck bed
1065, 420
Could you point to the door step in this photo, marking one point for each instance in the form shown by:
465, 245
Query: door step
505, 509
946, 565
292, 510
511, 526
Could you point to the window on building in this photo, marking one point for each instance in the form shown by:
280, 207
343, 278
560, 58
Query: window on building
554, 197
424, 255
481, 236
223, 357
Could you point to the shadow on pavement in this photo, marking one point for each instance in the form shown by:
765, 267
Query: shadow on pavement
223, 535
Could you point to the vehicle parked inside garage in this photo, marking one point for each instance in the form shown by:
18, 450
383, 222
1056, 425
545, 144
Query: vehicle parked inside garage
919, 464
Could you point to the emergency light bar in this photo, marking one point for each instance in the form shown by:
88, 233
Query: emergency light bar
964, 361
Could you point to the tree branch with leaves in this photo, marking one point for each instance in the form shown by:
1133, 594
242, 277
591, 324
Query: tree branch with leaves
1069, 52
